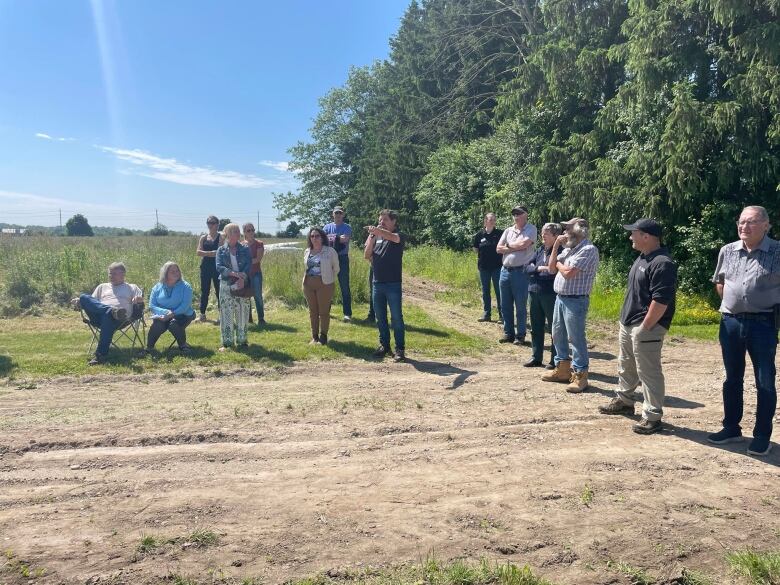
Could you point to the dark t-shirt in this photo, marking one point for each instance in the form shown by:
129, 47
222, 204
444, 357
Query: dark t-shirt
387, 259
652, 278
487, 257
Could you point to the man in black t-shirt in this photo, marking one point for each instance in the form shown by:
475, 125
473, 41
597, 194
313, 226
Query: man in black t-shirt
645, 318
385, 250
488, 264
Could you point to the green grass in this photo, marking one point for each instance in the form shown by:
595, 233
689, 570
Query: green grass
54, 345
759, 568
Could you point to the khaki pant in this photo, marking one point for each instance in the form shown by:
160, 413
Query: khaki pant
640, 363
318, 297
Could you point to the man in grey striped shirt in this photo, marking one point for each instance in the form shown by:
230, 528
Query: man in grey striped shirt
575, 269
747, 279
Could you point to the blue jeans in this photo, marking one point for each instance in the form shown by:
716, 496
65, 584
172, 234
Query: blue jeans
346, 294
485, 277
257, 288
100, 316
568, 330
371, 312
513, 285
759, 338
389, 294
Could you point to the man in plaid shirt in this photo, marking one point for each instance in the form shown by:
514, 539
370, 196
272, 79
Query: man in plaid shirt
575, 269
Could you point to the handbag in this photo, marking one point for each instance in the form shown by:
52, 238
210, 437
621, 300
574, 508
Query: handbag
242, 293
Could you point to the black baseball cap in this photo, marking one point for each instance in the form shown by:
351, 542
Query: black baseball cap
518, 209
649, 226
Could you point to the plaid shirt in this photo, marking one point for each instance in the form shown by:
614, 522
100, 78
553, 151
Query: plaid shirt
585, 257
751, 280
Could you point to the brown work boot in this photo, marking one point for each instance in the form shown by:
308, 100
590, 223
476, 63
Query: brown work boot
578, 382
617, 406
561, 373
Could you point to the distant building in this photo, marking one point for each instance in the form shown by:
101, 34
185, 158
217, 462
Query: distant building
14, 231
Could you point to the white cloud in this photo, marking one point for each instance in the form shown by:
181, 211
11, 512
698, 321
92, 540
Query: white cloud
173, 171
48, 137
281, 165
30, 203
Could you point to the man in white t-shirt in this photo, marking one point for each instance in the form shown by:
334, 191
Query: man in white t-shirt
109, 306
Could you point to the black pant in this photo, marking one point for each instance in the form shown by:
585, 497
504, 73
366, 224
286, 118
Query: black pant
208, 276
371, 312
177, 326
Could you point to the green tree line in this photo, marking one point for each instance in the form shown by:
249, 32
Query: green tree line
605, 109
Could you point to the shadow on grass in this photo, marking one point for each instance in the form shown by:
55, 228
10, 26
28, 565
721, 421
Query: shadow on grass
670, 401
606, 378
126, 357
7, 365
352, 349
258, 352
602, 355
699, 436
408, 327
442, 369
270, 326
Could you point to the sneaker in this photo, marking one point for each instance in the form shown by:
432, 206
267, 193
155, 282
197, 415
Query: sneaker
617, 406
243, 345
202, 318
314, 341
724, 436
484, 317
370, 319
75, 304
119, 314
759, 447
647, 427
507, 339
532, 363
186, 349
519, 341
399, 356
381, 352
500, 320
347, 318
323, 339
98, 359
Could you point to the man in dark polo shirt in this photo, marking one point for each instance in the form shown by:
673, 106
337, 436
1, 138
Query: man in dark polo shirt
488, 264
385, 249
747, 279
645, 318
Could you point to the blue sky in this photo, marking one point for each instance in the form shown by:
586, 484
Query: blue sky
114, 109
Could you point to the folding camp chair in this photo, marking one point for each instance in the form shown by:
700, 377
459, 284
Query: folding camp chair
132, 331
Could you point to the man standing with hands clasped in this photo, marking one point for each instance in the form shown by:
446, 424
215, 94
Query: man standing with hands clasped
517, 247
645, 318
747, 279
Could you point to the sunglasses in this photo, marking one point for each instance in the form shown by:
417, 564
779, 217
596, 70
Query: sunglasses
248, 231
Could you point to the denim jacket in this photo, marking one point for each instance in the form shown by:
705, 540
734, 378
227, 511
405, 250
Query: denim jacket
243, 256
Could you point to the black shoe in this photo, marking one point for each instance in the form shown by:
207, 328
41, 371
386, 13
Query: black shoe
243, 345
532, 363
381, 352
484, 317
507, 339
185, 349
399, 356
323, 339
759, 446
724, 436
262, 322
647, 427
370, 319
550, 366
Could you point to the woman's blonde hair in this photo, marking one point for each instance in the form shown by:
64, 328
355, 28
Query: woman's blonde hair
231, 227
164, 271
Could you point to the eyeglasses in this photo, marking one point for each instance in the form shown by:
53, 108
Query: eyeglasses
749, 222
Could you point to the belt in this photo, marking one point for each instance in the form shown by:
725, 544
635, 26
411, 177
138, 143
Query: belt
573, 296
750, 316
511, 268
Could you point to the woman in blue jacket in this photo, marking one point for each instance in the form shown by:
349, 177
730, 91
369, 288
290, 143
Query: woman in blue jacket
233, 263
170, 303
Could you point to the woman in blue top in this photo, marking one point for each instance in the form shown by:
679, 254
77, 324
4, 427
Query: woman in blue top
170, 303
233, 264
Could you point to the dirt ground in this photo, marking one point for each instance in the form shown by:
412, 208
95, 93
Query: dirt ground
349, 464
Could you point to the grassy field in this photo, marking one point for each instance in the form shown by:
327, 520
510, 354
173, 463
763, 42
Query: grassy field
695, 316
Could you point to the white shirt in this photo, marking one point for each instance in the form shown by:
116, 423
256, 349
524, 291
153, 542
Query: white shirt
121, 295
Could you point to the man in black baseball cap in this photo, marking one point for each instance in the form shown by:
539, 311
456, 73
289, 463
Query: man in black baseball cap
645, 318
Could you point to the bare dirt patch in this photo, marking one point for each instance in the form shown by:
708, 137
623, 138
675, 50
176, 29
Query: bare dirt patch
346, 464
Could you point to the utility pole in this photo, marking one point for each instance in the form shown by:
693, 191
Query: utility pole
156, 219
257, 227
60, 221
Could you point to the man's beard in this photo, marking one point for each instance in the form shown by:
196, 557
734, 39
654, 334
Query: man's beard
571, 240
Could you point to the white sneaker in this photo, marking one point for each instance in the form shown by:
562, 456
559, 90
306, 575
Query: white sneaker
347, 319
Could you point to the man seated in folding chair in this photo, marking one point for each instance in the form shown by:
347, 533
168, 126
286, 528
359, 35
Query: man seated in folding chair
114, 305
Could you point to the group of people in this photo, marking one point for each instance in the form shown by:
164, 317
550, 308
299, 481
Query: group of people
555, 280
234, 269
558, 278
